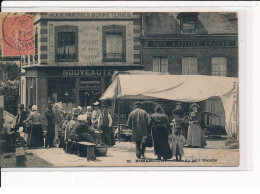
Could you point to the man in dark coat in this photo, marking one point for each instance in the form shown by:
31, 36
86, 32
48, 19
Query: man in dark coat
21, 117
138, 121
49, 114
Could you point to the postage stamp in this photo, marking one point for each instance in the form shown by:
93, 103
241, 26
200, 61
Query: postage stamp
17, 35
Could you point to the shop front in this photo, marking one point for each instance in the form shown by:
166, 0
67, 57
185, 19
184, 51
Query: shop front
68, 86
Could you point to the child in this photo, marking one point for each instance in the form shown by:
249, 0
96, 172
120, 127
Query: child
176, 142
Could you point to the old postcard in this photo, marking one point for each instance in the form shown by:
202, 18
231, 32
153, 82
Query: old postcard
110, 89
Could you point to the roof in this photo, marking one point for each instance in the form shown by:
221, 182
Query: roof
208, 23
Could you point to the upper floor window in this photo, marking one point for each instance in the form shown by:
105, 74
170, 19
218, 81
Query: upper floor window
188, 22
66, 43
189, 27
219, 66
189, 66
160, 64
114, 43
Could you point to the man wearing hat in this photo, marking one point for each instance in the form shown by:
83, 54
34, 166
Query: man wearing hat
105, 125
95, 114
50, 117
138, 121
21, 117
178, 116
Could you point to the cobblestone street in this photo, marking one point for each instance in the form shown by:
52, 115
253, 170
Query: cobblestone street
123, 154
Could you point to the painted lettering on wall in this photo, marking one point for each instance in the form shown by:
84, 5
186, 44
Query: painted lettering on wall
192, 43
86, 15
88, 72
90, 42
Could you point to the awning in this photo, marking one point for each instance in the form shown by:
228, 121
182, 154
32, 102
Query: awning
184, 88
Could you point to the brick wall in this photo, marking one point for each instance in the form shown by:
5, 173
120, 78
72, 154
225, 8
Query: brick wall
203, 55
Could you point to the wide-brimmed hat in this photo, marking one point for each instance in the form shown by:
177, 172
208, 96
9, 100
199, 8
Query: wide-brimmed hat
194, 104
96, 103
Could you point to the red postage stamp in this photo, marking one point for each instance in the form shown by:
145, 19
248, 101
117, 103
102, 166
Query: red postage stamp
17, 35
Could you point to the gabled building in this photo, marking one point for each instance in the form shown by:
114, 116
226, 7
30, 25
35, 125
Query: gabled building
192, 44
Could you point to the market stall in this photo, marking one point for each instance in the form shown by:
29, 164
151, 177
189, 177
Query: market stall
184, 88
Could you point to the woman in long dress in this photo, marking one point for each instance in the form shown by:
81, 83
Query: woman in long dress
160, 126
195, 135
35, 119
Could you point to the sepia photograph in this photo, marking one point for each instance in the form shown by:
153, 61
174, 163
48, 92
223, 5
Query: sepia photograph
119, 89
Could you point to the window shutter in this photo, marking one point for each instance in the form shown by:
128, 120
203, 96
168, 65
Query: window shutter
164, 64
219, 66
156, 64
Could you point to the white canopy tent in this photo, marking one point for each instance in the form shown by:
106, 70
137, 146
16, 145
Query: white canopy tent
184, 88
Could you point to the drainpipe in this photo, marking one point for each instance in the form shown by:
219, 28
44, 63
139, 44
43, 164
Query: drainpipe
142, 36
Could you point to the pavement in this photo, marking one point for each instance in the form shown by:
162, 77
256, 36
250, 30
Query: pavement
123, 154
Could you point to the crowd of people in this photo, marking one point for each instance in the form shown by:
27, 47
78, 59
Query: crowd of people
168, 141
83, 124
61, 128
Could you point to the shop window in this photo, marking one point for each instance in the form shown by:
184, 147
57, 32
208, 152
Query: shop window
189, 66
66, 43
62, 90
219, 66
114, 43
160, 64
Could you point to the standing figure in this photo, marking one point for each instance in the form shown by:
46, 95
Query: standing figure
49, 114
57, 118
21, 117
195, 135
89, 114
95, 114
178, 116
138, 121
160, 126
176, 141
105, 125
35, 119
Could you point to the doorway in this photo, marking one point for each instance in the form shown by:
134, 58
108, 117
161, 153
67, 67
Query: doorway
88, 97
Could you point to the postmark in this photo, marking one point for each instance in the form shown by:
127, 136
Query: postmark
18, 35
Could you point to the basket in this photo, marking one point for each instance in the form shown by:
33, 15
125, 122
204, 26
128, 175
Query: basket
101, 150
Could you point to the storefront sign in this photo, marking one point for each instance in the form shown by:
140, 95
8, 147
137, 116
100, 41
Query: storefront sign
192, 43
89, 82
86, 15
88, 72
